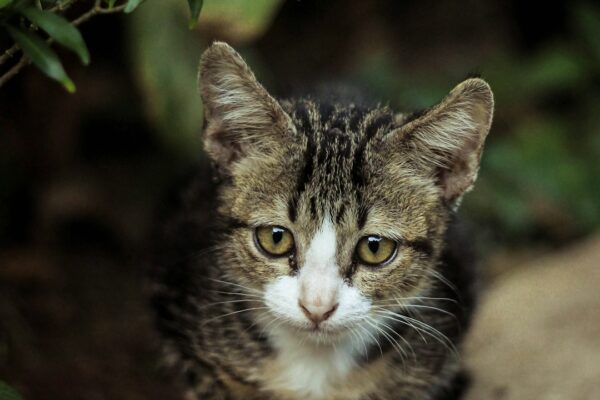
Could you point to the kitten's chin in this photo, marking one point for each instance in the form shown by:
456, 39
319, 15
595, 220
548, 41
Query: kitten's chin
320, 335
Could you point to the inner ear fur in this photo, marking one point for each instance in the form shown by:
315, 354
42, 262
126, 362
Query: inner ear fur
447, 140
240, 115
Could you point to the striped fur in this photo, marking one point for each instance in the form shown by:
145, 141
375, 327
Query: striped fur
302, 163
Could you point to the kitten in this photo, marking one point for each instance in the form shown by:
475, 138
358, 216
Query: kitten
323, 266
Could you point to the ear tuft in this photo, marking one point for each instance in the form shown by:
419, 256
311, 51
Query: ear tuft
240, 115
448, 140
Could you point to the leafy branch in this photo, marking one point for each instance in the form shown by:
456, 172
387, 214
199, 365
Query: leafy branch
7, 392
25, 20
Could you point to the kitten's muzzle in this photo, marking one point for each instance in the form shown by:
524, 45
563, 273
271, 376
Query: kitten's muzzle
317, 313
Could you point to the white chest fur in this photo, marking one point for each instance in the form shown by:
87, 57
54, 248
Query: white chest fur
308, 370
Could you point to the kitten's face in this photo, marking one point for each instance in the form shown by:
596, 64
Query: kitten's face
337, 212
331, 228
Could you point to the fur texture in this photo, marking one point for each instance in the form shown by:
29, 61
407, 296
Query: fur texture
239, 322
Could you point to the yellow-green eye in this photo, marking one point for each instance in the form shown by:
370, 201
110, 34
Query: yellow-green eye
375, 250
274, 240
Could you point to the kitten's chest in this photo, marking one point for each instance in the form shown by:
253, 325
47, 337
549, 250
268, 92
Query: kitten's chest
314, 372
307, 375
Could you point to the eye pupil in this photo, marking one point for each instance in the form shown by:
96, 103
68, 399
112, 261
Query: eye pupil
277, 235
374, 244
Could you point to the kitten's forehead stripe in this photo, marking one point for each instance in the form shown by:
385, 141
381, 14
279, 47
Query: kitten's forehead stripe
340, 214
336, 138
313, 207
374, 123
302, 118
292, 209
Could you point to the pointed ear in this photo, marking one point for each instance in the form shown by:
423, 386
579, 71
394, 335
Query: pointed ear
447, 140
241, 117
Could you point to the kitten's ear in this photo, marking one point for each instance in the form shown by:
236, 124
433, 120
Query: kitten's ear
447, 140
241, 117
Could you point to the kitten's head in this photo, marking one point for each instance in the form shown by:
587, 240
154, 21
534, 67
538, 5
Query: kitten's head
334, 209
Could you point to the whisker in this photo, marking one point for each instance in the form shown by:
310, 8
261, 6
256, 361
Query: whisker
204, 306
235, 284
442, 338
276, 318
384, 311
422, 326
409, 306
444, 280
392, 331
359, 337
237, 293
372, 337
264, 314
418, 298
431, 308
390, 339
419, 331
233, 313
403, 321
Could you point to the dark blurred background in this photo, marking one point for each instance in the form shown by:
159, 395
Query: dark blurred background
81, 174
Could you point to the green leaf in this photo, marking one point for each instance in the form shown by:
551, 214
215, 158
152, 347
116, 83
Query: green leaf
60, 30
4, 3
172, 103
42, 56
111, 3
132, 5
8, 393
195, 8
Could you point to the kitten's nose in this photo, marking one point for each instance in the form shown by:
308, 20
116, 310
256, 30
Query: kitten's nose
317, 313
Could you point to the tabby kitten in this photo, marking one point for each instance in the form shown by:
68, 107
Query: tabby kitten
323, 266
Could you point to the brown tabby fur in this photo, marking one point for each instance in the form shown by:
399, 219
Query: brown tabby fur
293, 163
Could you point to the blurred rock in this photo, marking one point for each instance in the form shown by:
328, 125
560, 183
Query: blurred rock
537, 332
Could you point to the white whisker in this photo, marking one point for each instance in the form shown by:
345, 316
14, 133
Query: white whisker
372, 337
233, 313
237, 294
420, 326
389, 338
204, 306
236, 284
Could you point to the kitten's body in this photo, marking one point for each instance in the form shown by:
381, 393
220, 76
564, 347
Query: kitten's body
330, 173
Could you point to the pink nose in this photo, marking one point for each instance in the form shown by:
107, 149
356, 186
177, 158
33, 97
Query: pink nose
318, 313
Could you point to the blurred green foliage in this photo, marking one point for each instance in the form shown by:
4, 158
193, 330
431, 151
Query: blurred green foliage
8, 393
166, 66
539, 176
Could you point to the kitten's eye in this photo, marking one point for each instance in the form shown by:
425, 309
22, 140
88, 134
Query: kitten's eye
274, 240
375, 250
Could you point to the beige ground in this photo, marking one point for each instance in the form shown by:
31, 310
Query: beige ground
537, 333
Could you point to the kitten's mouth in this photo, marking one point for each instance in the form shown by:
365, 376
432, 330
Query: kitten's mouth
321, 331
314, 329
